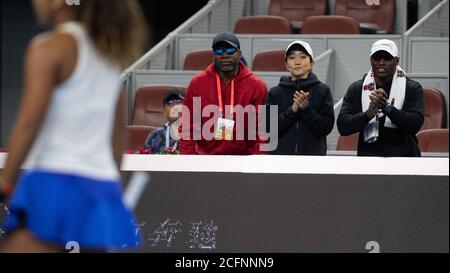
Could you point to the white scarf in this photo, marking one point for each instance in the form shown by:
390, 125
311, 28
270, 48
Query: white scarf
397, 92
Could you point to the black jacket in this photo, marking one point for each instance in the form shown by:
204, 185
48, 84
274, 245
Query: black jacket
302, 133
399, 142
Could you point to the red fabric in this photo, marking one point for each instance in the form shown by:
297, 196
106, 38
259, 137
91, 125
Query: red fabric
249, 90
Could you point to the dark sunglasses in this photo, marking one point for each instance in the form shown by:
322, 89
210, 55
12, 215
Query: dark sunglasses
174, 101
382, 55
221, 51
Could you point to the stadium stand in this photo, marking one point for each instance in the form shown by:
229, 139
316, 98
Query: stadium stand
330, 24
198, 59
263, 24
269, 60
433, 140
136, 135
148, 108
435, 109
298, 10
368, 16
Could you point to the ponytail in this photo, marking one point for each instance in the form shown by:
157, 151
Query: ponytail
117, 28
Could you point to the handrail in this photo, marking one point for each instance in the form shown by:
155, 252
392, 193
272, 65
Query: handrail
422, 21
324, 55
338, 104
183, 28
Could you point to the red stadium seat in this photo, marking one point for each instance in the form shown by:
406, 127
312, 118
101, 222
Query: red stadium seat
435, 109
371, 18
330, 24
148, 107
298, 10
348, 143
433, 140
136, 135
264, 24
270, 60
198, 60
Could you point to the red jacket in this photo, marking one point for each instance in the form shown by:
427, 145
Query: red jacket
249, 90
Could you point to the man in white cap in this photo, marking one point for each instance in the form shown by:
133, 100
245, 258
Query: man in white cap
385, 107
305, 105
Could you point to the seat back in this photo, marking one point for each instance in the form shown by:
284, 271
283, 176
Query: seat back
433, 140
148, 106
330, 24
269, 60
381, 15
435, 109
263, 24
348, 143
298, 10
198, 60
136, 135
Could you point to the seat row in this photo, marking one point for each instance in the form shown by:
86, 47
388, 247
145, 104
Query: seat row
269, 60
148, 115
312, 17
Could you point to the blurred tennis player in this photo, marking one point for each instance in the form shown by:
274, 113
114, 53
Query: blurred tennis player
69, 129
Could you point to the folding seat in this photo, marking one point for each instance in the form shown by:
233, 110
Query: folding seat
347, 143
298, 10
198, 60
263, 24
435, 109
269, 60
148, 107
136, 135
371, 18
330, 24
433, 140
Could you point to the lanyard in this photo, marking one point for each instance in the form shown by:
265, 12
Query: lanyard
168, 139
219, 96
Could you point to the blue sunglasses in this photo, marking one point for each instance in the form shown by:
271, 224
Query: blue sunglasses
221, 51
174, 101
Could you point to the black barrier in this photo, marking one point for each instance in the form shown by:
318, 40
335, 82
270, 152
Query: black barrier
271, 213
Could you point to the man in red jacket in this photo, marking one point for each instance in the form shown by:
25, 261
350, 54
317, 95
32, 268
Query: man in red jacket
221, 107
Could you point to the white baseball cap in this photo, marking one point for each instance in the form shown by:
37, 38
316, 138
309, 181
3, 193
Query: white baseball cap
386, 45
302, 44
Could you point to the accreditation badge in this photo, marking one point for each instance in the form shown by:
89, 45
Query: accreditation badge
224, 129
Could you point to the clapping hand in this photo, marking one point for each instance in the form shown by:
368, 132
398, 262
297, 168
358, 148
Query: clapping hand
378, 100
301, 100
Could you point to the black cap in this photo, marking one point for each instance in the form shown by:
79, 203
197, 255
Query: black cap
173, 94
228, 38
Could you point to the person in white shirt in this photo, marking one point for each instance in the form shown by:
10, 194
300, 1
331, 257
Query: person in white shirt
69, 130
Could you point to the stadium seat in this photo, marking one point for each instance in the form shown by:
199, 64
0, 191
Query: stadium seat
136, 135
298, 10
371, 18
269, 60
330, 24
435, 109
148, 105
263, 24
433, 140
198, 60
347, 143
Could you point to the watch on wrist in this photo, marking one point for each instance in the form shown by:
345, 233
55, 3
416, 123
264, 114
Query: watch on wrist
388, 108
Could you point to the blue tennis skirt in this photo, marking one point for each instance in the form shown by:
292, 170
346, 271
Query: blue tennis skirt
59, 208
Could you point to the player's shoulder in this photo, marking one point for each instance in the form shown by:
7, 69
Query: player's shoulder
52, 46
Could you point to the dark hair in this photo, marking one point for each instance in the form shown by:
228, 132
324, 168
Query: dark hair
117, 28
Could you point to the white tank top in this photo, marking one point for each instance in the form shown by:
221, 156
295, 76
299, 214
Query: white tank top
76, 135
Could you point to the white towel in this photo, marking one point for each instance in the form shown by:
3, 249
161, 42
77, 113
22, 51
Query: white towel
397, 92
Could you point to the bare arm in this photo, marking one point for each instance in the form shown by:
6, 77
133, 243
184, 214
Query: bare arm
43, 70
